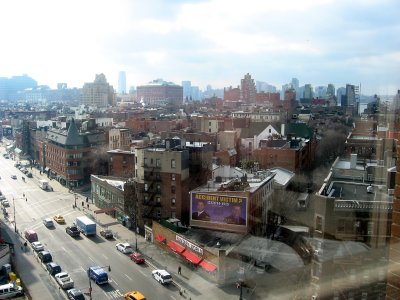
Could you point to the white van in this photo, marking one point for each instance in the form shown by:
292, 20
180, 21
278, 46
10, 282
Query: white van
10, 290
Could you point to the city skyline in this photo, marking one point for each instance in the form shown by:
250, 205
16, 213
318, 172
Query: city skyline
318, 42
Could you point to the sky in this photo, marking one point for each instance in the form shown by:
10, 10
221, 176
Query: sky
212, 42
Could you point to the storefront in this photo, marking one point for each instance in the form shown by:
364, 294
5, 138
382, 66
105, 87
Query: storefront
205, 260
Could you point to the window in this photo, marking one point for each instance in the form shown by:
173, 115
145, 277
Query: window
173, 200
173, 164
318, 223
172, 189
158, 163
158, 200
173, 177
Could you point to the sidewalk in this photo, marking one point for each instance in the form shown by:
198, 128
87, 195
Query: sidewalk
194, 285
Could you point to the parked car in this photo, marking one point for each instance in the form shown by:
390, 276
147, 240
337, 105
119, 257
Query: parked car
13, 176
73, 231
53, 268
2, 197
64, 280
75, 294
137, 258
124, 248
29, 175
59, 219
37, 246
48, 222
107, 233
45, 256
162, 276
5, 203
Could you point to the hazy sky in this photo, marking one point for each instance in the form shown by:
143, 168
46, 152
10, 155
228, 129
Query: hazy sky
208, 42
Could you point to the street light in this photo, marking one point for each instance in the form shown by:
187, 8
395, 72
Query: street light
15, 222
90, 281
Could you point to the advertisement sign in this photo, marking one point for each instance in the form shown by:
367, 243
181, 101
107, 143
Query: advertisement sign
209, 209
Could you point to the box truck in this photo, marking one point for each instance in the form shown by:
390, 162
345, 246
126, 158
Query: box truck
86, 226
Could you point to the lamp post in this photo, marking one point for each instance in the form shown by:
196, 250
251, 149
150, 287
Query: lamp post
90, 281
15, 222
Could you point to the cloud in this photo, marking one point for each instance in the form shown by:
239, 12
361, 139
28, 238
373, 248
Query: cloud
215, 41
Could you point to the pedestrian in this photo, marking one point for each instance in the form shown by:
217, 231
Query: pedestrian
179, 270
88, 206
23, 194
26, 199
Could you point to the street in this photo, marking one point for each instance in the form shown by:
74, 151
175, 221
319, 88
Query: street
29, 205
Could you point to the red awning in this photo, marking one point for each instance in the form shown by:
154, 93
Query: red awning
160, 238
176, 247
190, 256
209, 267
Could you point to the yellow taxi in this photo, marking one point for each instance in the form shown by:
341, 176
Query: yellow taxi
134, 295
59, 219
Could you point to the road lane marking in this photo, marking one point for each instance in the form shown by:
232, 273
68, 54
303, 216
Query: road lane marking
128, 277
64, 249
83, 269
105, 256
91, 259
173, 297
143, 273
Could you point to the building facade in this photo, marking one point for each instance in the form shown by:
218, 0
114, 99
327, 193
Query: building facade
98, 93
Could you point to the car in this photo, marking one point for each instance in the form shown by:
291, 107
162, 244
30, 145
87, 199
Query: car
134, 295
48, 222
73, 231
64, 280
137, 258
107, 233
162, 276
124, 248
75, 294
2, 197
17, 164
5, 203
45, 257
53, 268
13, 176
59, 219
37, 246
29, 175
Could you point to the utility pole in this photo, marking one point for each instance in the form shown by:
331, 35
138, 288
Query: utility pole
15, 222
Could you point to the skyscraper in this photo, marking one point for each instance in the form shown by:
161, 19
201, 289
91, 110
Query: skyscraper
99, 93
248, 92
187, 89
122, 82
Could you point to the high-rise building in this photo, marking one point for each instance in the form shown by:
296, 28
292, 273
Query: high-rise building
265, 87
308, 91
99, 93
248, 92
341, 96
122, 82
187, 89
350, 95
330, 89
160, 92
320, 91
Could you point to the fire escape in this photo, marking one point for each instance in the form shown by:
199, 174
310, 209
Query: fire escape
152, 192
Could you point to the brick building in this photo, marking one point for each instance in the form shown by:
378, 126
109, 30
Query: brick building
121, 163
160, 92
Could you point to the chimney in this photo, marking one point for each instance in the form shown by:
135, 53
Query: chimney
353, 160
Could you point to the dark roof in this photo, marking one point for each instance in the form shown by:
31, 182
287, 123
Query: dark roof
300, 130
255, 128
73, 137
5, 237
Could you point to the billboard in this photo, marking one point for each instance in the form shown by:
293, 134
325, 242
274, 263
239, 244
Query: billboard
219, 211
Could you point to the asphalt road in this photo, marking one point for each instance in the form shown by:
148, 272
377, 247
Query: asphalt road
73, 255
